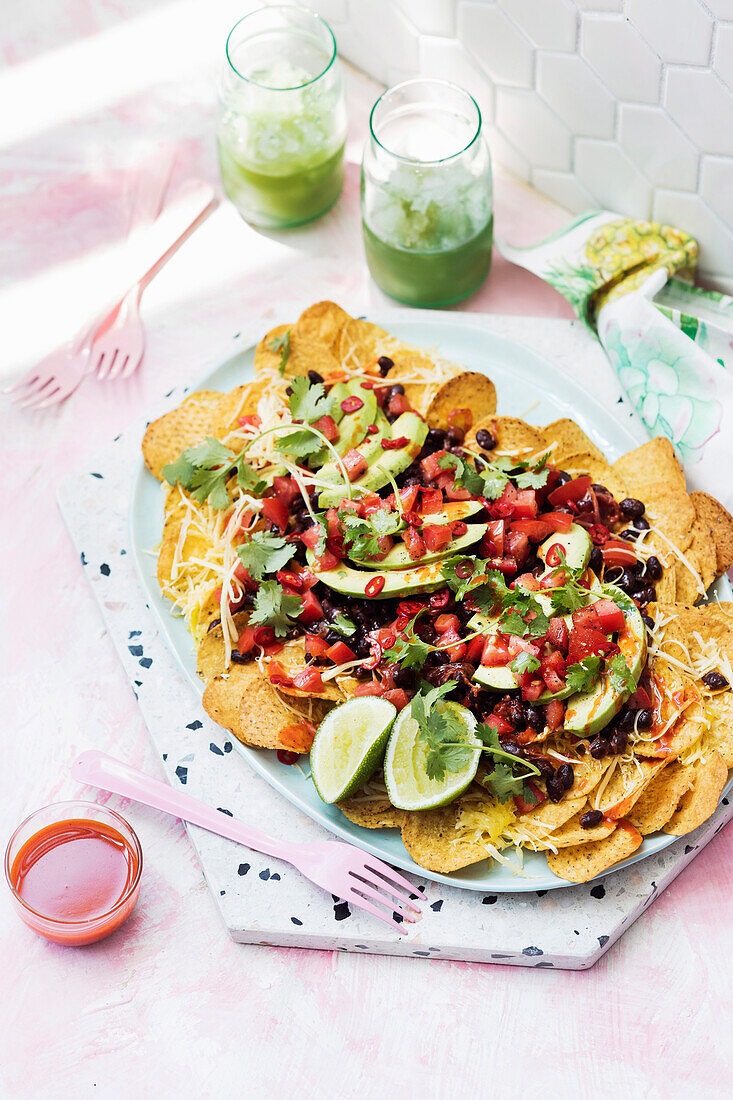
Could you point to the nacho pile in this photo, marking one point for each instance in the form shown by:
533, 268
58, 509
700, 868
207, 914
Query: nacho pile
358, 520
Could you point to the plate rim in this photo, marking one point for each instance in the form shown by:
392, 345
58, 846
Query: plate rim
148, 583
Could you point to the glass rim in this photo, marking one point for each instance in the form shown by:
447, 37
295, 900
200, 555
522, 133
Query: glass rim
275, 8
440, 83
89, 921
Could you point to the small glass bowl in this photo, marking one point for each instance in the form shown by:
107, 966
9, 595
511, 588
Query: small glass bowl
74, 933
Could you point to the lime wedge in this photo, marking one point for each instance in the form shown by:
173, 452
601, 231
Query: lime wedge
408, 785
349, 746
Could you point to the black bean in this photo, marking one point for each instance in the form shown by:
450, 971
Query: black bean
555, 788
654, 568
644, 719
629, 534
485, 439
239, 658
362, 673
600, 489
648, 620
455, 436
404, 677
511, 747
647, 595
314, 376
385, 365
545, 767
625, 720
436, 436
436, 659
627, 582
596, 559
516, 714
591, 818
566, 775
534, 717
641, 524
599, 747
715, 680
581, 748
563, 477
632, 507
619, 741
393, 391
637, 568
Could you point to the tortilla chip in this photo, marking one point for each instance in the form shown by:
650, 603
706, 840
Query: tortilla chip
465, 390
661, 798
360, 343
372, 814
708, 510
572, 832
568, 439
583, 862
190, 423
305, 354
430, 838
626, 787
682, 736
702, 555
513, 436
696, 806
241, 401
321, 324
588, 773
553, 815
210, 654
720, 734
650, 468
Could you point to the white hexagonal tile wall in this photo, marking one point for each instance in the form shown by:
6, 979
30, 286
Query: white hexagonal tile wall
691, 213
657, 146
575, 93
430, 16
532, 127
716, 186
564, 188
549, 24
446, 59
611, 178
679, 30
723, 9
621, 58
703, 107
723, 63
499, 47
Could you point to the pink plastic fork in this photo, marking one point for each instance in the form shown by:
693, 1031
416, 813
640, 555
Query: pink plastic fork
341, 869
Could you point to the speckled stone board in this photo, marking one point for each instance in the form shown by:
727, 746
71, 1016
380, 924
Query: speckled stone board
266, 902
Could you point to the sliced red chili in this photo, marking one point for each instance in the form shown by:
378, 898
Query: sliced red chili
374, 586
287, 757
440, 599
553, 555
264, 635
367, 385
459, 529
352, 404
372, 429
465, 569
395, 444
599, 534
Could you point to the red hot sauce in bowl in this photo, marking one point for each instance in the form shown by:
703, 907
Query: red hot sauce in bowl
74, 872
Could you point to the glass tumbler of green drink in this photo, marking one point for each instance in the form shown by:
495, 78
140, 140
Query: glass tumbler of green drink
426, 194
282, 117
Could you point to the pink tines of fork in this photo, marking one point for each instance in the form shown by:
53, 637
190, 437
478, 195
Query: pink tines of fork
341, 869
58, 374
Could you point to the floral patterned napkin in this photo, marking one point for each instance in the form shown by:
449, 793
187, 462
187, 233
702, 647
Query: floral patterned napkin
670, 343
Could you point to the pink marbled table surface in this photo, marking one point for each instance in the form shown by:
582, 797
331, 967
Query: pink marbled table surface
169, 1005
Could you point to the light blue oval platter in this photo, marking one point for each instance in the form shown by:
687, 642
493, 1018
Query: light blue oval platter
526, 385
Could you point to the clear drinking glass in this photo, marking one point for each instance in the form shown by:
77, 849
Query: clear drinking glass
282, 117
426, 194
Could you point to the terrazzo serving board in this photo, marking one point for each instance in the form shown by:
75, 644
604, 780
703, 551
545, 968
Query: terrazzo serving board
263, 901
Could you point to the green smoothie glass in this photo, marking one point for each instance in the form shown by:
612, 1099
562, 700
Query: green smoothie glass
282, 117
426, 194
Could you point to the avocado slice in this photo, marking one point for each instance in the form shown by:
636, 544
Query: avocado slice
353, 426
388, 464
576, 544
353, 582
498, 677
589, 711
334, 397
398, 557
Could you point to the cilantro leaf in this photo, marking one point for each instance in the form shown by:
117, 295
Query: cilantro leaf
300, 443
248, 480
362, 535
490, 592
503, 783
447, 749
409, 651
281, 344
524, 662
620, 674
495, 482
534, 477
343, 625
460, 585
465, 477
568, 598
275, 608
582, 675
204, 470
518, 603
307, 400
264, 553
